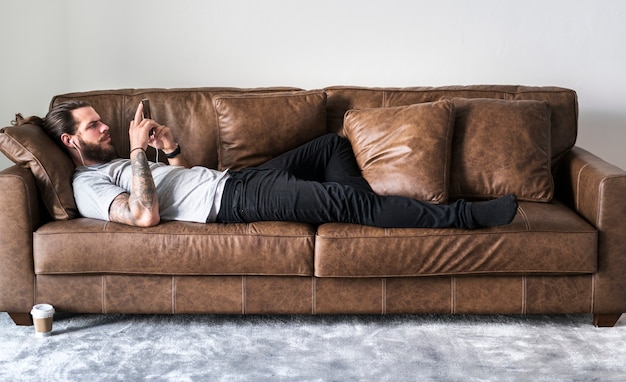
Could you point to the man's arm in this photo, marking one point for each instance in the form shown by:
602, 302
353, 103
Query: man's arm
140, 207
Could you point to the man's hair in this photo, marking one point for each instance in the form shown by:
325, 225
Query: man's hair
58, 121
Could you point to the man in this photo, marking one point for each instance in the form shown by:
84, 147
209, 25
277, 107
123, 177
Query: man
315, 183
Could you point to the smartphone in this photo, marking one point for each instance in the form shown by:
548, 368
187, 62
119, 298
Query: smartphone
146, 108
146, 112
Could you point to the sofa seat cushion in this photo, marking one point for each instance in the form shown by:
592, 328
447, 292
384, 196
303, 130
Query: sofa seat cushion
90, 246
544, 238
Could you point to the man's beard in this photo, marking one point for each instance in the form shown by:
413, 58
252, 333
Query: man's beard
97, 153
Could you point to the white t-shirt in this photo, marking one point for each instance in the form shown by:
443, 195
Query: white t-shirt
184, 194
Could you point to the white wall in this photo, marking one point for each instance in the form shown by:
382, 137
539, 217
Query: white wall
56, 46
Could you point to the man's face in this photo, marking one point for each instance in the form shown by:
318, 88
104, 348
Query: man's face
94, 140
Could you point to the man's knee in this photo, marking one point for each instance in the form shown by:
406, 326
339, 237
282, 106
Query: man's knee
337, 141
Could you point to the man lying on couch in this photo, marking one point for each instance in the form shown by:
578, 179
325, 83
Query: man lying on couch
316, 183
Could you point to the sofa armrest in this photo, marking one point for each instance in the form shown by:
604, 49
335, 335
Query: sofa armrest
19, 215
598, 191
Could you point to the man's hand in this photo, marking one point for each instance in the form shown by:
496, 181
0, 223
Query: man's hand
162, 139
146, 132
139, 130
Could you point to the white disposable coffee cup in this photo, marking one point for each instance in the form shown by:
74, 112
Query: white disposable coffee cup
42, 318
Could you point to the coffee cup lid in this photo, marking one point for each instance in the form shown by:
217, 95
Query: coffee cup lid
42, 311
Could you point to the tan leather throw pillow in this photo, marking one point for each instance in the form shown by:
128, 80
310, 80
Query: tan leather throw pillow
253, 128
404, 150
30, 147
501, 147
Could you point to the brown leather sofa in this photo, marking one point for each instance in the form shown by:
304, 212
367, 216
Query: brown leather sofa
563, 253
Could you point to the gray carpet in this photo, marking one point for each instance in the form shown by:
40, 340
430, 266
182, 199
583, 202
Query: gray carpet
319, 348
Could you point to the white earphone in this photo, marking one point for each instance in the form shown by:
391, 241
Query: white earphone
79, 153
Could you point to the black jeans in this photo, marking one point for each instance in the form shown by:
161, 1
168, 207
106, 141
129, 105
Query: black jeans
320, 182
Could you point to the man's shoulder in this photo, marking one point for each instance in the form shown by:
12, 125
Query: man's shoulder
103, 166
110, 170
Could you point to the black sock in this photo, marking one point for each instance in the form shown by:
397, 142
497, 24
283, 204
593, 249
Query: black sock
495, 212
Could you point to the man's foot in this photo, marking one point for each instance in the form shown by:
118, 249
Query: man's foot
495, 212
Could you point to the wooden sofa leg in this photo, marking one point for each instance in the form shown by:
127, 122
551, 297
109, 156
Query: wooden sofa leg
606, 320
21, 319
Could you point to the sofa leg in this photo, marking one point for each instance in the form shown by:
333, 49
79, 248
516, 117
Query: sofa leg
605, 320
21, 319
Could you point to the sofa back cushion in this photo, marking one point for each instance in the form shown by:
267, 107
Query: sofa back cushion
189, 112
501, 147
550, 128
254, 128
563, 105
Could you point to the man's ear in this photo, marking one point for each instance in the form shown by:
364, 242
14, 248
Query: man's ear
67, 141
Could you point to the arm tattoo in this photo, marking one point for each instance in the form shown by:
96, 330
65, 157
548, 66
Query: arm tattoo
126, 208
119, 211
143, 190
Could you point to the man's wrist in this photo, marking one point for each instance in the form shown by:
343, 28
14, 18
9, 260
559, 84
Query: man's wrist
137, 148
174, 153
